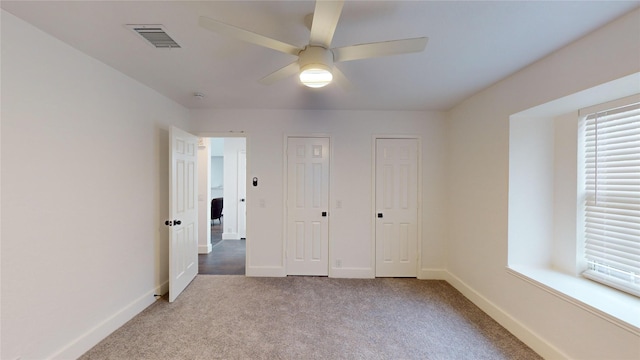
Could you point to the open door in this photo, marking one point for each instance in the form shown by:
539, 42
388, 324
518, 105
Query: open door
183, 211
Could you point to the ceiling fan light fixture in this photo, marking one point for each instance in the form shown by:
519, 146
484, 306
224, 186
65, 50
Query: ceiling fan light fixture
315, 61
316, 64
316, 76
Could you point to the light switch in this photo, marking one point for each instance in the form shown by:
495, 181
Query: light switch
201, 197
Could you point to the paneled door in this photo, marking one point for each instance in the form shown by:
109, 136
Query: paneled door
396, 207
183, 211
307, 206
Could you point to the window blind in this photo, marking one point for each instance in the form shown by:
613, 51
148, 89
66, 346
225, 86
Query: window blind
612, 206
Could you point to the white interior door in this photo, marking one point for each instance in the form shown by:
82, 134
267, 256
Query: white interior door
307, 206
183, 211
396, 207
242, 194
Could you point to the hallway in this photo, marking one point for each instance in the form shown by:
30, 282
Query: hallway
227, 257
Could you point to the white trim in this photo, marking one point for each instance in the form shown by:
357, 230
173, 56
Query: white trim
162, 288
230, 236
204, 249
352, 273
249, 175
266, 271
372, 258
285, 205
519, 330
573, 284
432, 274
93, 336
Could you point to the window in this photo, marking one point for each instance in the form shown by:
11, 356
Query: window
612, 197
546, 237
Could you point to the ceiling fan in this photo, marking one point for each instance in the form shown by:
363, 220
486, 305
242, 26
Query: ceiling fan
315, 63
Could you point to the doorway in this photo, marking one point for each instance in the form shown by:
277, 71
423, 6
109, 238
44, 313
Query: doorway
223, 184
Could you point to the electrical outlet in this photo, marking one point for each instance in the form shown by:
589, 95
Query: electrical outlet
338, 204
338, 263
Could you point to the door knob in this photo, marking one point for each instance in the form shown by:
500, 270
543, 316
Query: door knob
241, 200
324, 213
177, 222
380, 215
168, 223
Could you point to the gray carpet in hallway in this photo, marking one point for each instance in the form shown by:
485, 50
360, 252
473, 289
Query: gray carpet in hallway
236, 317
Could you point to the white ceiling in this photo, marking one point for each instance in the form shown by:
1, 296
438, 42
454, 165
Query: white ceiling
471, 46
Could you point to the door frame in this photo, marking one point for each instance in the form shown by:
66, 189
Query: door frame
243, 198
373, 196
285, 193
237, 134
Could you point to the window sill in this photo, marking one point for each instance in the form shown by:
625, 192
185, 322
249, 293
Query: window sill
612, 305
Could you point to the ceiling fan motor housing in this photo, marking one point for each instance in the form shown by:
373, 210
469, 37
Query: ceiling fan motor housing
315, 57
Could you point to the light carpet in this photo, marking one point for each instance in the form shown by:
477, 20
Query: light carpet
237, 317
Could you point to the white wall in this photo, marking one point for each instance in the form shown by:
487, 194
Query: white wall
351, 236
564, 251
531, 185
84, 195
217, 146
217, 167
478, 150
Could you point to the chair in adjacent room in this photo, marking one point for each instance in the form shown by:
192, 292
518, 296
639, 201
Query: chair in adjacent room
216, 209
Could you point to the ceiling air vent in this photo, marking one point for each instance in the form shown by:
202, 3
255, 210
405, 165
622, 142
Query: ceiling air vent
155, 35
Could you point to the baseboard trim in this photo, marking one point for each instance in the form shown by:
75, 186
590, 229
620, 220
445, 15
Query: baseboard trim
352, 273
432, 274
519, 330
99, 332
162, 288
266, 271
204, 249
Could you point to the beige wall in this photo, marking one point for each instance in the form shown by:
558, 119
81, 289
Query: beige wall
84, 195
478, 168
351, 132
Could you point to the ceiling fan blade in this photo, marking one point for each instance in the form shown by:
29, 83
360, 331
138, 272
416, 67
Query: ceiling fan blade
340, 79
325, 20
248, 36
377, 49
278, 75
